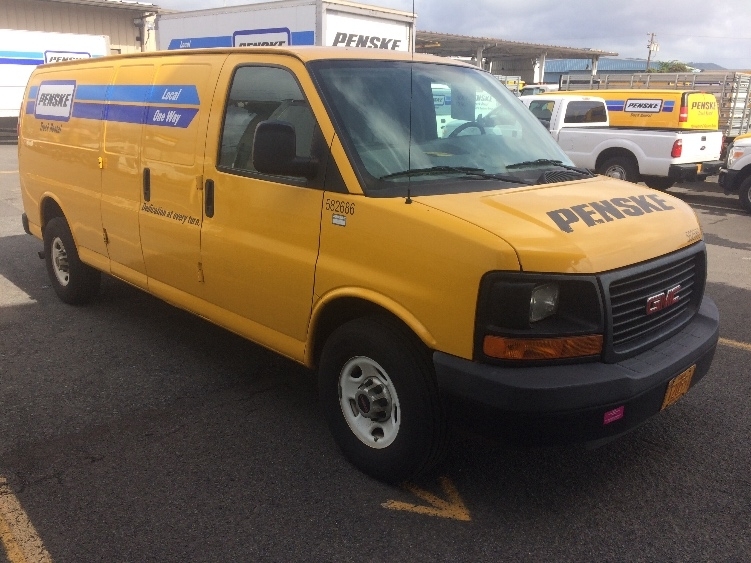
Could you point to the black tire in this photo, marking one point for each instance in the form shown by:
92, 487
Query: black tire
659, 182
621, 167
398, 381
744, 194
74, 282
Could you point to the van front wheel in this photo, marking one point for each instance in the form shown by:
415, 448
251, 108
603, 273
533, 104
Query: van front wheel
620, 167
745, 194
380, 397
74, 282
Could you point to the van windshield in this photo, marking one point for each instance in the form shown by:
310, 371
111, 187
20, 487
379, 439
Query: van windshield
440, 127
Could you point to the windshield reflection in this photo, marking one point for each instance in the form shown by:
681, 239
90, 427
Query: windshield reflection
398, 119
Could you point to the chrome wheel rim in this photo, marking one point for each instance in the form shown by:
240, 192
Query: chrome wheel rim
60, 264
616, 171
369, 402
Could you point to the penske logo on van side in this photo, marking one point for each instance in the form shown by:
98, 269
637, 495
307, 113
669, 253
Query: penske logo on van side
643, 106
54, 100
143, 104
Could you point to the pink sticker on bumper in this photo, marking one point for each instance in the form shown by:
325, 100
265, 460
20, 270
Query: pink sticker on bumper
615, 414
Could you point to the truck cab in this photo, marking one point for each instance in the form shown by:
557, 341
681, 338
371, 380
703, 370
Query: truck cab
557, 114
735, 176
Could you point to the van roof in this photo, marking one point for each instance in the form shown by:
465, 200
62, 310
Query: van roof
303, 53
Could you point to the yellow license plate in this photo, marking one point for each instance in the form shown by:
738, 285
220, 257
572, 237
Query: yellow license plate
678, 387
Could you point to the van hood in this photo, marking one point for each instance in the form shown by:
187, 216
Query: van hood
587, 226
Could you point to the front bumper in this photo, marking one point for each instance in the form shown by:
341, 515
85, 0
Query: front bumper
690, 171
728, 181
575, 402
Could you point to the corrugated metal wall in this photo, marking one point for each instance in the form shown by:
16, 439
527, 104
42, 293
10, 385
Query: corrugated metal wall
41, 15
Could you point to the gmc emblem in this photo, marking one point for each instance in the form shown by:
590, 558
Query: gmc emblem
663, 300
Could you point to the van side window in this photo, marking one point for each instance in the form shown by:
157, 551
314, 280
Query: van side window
585, 112
258, 94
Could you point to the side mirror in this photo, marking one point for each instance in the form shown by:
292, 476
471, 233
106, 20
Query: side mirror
275, 151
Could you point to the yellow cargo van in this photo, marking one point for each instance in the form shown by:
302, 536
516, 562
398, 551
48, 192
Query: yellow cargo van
660, 109
304, 199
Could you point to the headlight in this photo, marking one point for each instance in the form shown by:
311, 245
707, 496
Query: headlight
734, 153
538, 317
544, 302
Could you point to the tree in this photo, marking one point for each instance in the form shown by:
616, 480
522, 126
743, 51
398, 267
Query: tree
671, 66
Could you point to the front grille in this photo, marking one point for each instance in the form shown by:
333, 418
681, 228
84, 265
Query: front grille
631, 327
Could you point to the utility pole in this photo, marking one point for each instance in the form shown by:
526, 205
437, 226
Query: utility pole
653, 47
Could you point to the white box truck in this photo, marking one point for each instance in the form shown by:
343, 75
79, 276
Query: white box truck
22, 51
332, 23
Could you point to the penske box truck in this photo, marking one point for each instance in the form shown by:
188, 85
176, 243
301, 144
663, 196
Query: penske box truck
332, 23
22, 51
304, 199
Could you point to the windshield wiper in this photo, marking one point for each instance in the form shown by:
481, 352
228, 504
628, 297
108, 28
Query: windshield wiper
433, 170
539, 161
466, 170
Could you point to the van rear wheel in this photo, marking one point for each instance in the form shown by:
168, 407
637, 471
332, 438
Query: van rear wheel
620, 167
745, 194
74, 282
380, 397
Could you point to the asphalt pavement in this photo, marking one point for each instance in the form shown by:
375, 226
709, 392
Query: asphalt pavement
133, 431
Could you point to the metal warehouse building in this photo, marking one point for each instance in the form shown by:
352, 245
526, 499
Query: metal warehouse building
122, 21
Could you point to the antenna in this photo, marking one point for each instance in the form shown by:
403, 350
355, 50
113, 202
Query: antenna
413, 44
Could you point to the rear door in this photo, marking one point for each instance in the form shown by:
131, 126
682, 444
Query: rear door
703, 112
127, 99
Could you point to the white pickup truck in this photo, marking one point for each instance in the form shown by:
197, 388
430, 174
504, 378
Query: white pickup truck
658, 157
735, 177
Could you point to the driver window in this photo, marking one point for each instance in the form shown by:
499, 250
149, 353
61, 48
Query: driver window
258, 94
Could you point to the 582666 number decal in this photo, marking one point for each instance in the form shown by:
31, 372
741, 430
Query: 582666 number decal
339, 206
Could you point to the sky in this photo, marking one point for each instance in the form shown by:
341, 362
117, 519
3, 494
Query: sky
703, 31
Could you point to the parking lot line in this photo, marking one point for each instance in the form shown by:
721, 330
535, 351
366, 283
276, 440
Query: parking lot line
735, 344
19, 538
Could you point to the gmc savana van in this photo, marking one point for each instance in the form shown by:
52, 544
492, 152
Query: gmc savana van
306, 199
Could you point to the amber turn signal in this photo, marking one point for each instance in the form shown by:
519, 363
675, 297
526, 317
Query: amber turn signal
541, 348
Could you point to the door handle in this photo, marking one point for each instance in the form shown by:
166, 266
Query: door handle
209, 198
146, 184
